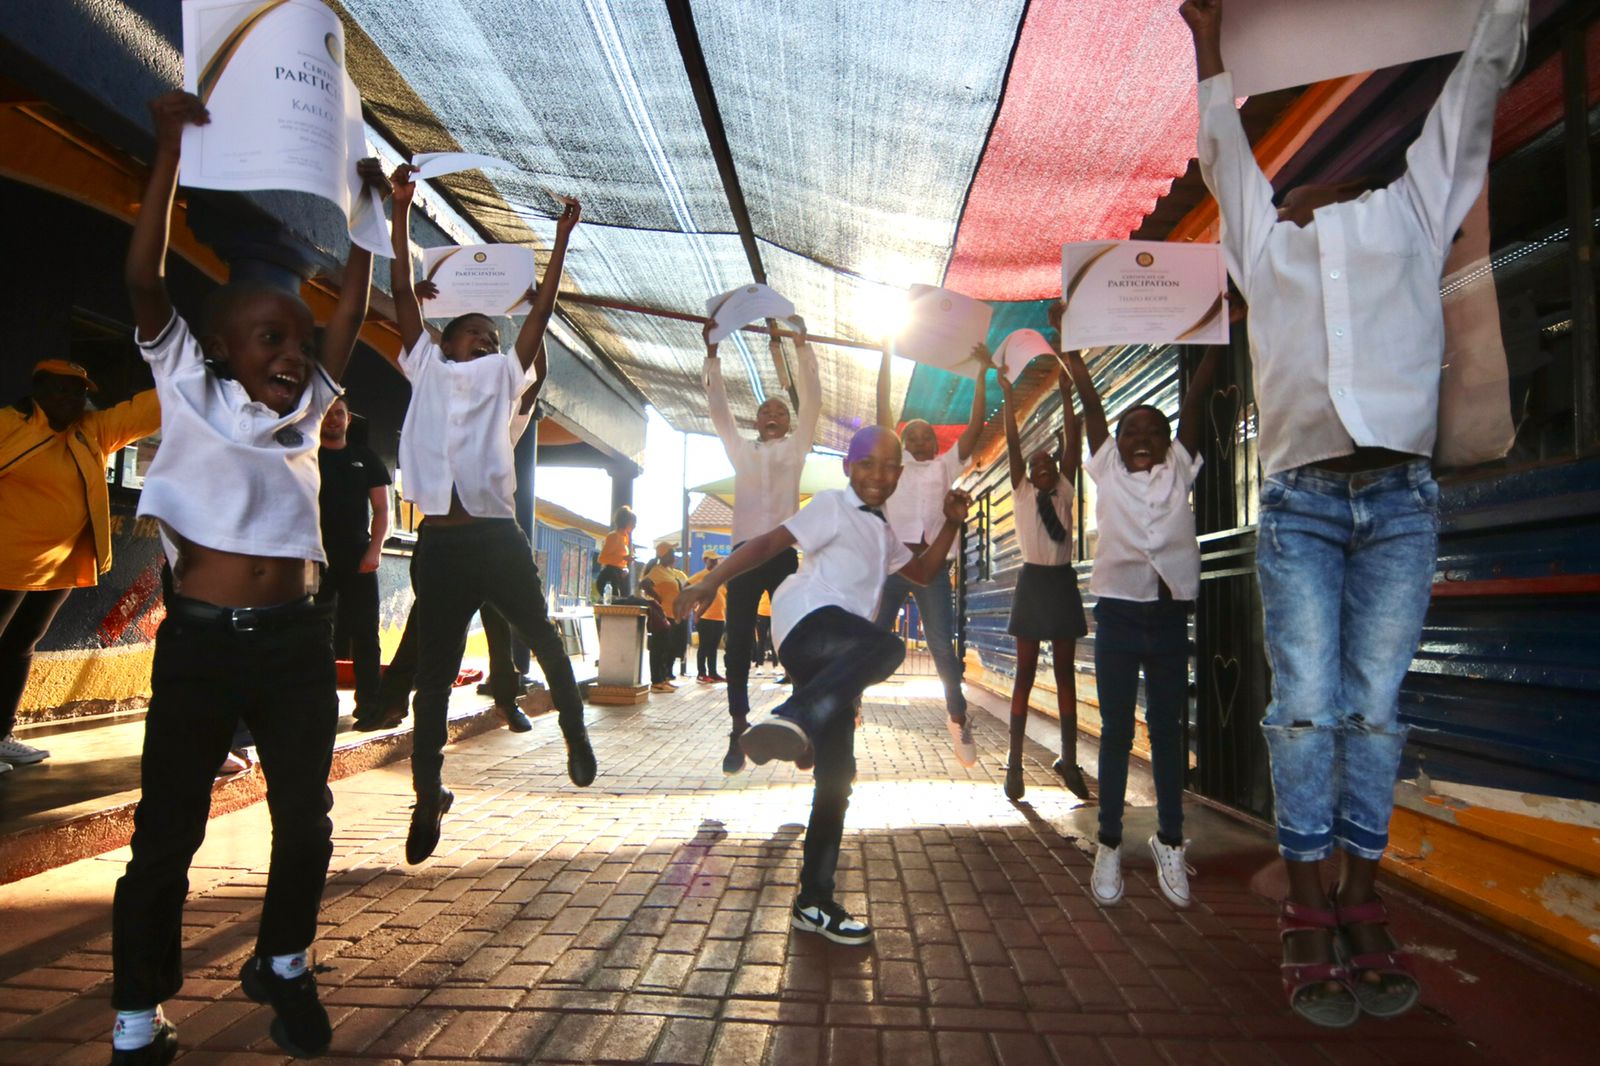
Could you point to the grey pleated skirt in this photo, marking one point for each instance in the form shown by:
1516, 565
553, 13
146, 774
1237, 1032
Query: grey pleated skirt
1046, 605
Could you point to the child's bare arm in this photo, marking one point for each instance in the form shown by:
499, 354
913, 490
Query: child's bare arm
807, 387
926, 564
1094, 415
980, 405
1071, 434
1205, 25
531, 337
749, 555
407, 310
1191, 419
355, 289
717, 397
145, 271
885, 415
1008, 410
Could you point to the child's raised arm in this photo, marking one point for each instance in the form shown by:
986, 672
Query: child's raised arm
747, 556
355, 290
807, 387
531, 337
1205, 24
1071, 435
1019, 468
926, 564
980, 405
145, 271
1191, 418
1094, 415
407, 310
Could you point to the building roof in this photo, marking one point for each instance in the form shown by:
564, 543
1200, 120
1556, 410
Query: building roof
711, 515
553, 514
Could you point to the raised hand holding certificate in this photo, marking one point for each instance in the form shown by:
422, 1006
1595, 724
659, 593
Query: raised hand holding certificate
486, 279
284, 115
943, 328
1143, 292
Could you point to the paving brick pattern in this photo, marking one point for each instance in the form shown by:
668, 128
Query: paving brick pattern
646, 919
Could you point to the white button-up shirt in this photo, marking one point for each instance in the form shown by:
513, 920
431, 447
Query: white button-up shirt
1346, 325
1146, 526
231, 473
1033, 540
847, 553
456, 433
916, 510
766, 474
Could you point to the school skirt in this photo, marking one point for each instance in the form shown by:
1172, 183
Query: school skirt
1047, 605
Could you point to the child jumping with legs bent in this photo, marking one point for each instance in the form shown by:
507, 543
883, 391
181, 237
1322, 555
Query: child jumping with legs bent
1145, 579
822, 624
1046, 605
234, 487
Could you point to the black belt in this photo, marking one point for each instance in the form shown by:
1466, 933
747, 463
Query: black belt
244, 619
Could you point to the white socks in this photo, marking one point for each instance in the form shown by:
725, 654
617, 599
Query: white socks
135, 1028
289, 967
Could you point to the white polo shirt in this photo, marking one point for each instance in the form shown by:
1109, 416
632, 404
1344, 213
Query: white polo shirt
916, 510
456, 430
1146, 526
766, 473
1033, 540
847, 553
232, 474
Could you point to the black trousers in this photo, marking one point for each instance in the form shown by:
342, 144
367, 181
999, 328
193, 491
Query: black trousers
710, 632
832, 656
744, 596
660, 647
613, 577
761, 643
455, 571
25, 618
280, 680
505, 682
354, 599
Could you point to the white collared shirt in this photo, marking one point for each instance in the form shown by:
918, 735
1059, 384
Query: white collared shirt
1146, 526
847, 553
916, 510
1033, 540
456, 433
1367, 271
766, 473
231, 473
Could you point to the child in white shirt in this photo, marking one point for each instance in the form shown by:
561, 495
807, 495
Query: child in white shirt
822, 624
234, 487
1145, 579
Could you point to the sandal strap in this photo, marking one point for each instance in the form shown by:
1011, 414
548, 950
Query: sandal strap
1298, 917
1297, 975
1372, 912
1385, 962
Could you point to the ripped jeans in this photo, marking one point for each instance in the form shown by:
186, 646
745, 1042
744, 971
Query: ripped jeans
1346, 567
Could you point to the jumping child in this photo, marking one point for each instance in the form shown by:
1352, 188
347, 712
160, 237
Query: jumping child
456, 451
1046, 605
1347, 342
822, 623
234, 488
1145, 579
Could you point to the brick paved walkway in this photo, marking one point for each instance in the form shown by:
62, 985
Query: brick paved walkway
646, 919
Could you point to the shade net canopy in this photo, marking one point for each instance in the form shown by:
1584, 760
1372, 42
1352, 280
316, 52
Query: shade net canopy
875, 145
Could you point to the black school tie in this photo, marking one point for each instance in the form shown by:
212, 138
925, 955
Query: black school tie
873, 511
1052, 521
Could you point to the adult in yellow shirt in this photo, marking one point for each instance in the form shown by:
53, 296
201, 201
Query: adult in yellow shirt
662, 581
709, 624
55, 516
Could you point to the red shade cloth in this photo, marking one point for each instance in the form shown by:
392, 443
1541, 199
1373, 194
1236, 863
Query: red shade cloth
1099, 118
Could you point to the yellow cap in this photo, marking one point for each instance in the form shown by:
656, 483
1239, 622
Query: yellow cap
65, 368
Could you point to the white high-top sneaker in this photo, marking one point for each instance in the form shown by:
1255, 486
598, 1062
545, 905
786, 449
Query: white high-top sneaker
1172, 871
1105, 884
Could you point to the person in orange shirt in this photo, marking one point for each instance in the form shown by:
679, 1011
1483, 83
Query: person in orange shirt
616, 555
55, 516
761, 646
662, 582
709, 624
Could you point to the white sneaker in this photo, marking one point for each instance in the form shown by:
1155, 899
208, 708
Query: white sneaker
1172, 872
5, 768
830, 921
1105, 884
961, 737
17, 753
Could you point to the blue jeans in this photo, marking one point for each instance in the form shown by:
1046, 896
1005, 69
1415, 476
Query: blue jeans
935, 605
1155, 636
1346, 566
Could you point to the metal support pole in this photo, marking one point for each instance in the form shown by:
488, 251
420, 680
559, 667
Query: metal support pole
1580, 211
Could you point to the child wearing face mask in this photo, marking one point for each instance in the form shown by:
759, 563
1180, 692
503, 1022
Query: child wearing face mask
1145, 579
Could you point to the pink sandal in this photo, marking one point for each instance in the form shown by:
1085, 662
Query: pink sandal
1382, 998
1329, 1010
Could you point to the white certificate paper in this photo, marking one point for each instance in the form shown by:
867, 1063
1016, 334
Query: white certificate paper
1020, 348
1143, 292
1279, 44
486, 279
438, 164
284, 115
739, 307
943, 329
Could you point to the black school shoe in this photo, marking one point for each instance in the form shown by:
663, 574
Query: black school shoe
830, 921
160, 1051
301, 1027
423, 836
1072, 777
733, 761
516, 721
775, 737
581, 765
